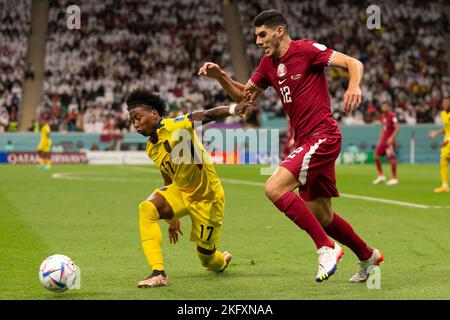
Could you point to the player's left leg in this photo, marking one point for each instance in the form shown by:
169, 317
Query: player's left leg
445, 157
379, 152
41, 158
164, 203
390, 154
206, 220
48, 160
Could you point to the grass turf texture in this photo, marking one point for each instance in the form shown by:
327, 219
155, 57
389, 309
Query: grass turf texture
93, 219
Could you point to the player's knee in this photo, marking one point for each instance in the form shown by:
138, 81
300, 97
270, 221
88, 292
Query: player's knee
147, 210
272, 192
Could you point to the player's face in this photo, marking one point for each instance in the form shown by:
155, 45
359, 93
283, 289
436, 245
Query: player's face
385, 107
269, 39
144, 120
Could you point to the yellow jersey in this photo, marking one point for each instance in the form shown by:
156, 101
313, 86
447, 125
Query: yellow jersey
445, 116
45, 135
177, 151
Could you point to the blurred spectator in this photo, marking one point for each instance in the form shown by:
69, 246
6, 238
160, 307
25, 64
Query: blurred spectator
15, 19
9, 146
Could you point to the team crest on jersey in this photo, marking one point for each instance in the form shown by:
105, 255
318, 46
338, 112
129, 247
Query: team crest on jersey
282, 70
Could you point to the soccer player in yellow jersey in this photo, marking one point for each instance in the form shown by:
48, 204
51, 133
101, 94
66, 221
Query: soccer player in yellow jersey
44, 147
445, 146
192, 186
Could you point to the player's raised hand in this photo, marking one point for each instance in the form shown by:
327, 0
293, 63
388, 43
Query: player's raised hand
352, 99
246, 102
211, 70
174, 229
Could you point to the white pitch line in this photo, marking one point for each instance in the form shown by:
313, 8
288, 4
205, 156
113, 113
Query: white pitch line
398, 203
71, 176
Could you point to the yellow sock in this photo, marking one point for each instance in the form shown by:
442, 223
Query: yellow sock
444, 170
214, 262
151, 237
49, 162
41, 161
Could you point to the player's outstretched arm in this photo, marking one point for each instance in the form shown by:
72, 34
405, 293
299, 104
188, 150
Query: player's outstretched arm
355, 68
222, 112
234, 88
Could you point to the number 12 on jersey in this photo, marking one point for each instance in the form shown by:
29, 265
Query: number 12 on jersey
286, 92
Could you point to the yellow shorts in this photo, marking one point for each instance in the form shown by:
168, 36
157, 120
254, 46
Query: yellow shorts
44, 147
206, 217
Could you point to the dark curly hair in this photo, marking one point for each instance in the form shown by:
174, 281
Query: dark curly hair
146, 99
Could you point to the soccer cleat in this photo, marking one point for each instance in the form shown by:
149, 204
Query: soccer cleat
156, 279
442, 189
328, 260
392, 182
363, 273
379, 179
227, 256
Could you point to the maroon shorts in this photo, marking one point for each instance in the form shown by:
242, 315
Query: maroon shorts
313, 165
385, 149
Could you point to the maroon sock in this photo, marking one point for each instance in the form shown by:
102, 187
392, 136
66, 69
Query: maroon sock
379, 168
296, 210
342, 231
394, 168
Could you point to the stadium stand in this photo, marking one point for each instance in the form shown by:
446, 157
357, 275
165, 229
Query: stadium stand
15, 17
157, 45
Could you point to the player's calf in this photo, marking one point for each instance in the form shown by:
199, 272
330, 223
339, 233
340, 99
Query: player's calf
213, 260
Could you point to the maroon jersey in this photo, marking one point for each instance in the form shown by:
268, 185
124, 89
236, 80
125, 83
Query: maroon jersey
388, 123
299, 79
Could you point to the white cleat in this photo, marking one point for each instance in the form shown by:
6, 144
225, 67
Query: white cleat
379, 179
328, 260
364, 267
392, 182
154, 280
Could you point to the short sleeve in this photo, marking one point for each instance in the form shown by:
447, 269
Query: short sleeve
181, 122
260, 79
319, 54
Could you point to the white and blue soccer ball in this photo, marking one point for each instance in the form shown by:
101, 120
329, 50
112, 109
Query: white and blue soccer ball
58, 273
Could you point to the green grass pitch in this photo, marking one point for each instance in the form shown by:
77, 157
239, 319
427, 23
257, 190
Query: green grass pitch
90, 214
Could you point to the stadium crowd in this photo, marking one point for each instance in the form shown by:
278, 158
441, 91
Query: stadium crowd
15, 20
404, 60
159, 45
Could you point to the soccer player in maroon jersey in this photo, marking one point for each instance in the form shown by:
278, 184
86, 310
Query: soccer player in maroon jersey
295, 69
386, 144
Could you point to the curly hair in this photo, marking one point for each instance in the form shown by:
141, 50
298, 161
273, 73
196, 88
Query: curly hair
146, 99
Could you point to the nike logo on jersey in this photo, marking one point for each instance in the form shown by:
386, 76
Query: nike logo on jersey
281, 81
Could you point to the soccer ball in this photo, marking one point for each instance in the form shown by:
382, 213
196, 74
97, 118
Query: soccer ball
58, 273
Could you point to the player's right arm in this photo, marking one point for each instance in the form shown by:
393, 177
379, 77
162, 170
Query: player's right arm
233, 88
